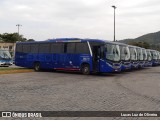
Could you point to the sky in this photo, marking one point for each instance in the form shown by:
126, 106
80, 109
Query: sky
47, 19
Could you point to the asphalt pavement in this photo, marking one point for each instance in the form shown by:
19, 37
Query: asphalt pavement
138, 90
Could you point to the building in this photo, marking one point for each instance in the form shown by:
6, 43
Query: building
8, 46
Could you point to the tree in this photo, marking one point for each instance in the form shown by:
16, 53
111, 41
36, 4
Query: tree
140, 44
12, 37
30, 40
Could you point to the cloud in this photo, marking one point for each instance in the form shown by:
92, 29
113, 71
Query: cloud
43, 19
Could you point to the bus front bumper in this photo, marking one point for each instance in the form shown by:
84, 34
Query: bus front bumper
126, 65
141, 64
117, 67
110, 67
134, 65
148, 64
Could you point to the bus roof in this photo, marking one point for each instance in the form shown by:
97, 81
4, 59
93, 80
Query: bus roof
151, 50
69, 40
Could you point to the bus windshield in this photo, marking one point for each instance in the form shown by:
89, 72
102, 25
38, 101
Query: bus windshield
124, 51
158, 55
139, 54
4, 54
133, 53
144, 54
112, 52
149, 56
154, 55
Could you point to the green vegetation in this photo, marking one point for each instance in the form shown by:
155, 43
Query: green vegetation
13, 37
151, 40
140, 44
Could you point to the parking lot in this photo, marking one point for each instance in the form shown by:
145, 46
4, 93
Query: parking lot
138, 90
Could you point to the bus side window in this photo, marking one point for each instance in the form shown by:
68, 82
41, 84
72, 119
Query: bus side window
57, 48
70, 48
34, 48
26, 48
19, 48
44, 48
82, 48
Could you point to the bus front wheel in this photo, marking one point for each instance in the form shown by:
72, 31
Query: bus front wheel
85, 69
37, 66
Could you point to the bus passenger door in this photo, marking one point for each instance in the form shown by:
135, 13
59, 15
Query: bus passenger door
96, 58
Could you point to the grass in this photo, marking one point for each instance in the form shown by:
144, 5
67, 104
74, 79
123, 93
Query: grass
9, 70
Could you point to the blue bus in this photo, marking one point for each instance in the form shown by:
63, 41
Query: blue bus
154, 57
133, 57
5, 58
69, 54
145, 61
158, 58
140, 59
124, 56
149, 58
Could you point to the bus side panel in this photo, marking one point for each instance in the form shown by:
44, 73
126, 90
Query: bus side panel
105, 67
20, 59
72, 61
55, 60
28, 61
23, 60
31, 59
86, 58
45, 61
58, 61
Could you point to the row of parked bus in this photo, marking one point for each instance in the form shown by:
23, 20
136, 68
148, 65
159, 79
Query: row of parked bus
84, 55
137, 57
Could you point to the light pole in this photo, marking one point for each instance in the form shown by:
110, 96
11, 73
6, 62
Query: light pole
114, 22
18, 25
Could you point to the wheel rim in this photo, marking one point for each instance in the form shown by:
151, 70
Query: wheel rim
85, 69
37, 67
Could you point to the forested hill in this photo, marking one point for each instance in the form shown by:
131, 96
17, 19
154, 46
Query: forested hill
151, 38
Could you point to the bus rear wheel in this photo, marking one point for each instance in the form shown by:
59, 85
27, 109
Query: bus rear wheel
85, 69
37, 66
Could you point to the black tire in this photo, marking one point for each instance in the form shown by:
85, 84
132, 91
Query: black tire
85, 69
37, 66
